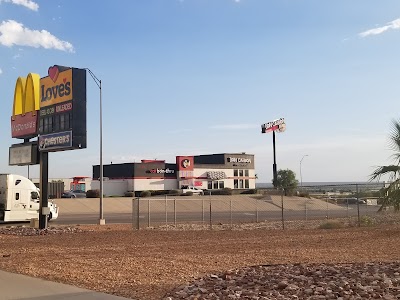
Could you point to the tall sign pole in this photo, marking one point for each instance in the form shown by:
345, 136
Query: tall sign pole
44, 210
279, 126
275, 173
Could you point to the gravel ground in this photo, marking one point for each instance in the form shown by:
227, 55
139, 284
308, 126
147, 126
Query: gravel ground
298, 281
223, 263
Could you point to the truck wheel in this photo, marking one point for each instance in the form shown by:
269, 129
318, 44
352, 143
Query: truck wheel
49, 217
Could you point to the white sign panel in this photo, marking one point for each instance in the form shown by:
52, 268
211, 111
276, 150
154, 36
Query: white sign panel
23, 155
276, 125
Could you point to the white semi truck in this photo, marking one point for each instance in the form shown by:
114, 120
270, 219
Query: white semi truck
19, 199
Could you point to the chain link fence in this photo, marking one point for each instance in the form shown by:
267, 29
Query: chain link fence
322, 202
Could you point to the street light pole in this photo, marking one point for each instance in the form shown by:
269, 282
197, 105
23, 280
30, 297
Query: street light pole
301, 178
102, 221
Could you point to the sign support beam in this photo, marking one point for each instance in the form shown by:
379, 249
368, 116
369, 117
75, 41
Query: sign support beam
44, 179
274, 168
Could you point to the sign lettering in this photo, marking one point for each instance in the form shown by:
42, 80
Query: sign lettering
239, 160
56, 91
49, 142
161, 171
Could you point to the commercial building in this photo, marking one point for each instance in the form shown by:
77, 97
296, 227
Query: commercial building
213, 171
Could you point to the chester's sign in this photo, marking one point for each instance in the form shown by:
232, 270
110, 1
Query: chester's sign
51, 142
24, 117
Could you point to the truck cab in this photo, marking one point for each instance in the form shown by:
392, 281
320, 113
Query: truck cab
19, 199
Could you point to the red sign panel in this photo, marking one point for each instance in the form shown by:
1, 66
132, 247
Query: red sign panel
24, 125
185, 163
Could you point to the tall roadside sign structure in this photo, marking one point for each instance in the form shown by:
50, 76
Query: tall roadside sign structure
279, 126
53, 109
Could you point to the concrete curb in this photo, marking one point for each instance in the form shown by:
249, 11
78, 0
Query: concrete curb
21, 287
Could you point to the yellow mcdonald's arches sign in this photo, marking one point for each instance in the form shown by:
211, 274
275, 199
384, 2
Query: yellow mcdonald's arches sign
26, 104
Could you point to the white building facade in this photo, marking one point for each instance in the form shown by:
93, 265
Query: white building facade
208, 172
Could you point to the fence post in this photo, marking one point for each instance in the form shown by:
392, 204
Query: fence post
256, 210
148, 212
135, 213
175, 212
230, 210
358, 208
210, 216
166, 211
210, 212
202, 209
305, 207
327, 209
283, 220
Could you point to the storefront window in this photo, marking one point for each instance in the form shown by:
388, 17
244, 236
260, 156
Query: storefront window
246, 183
240, 183
215, 185
241, 173
235, 183
246, 173
235, 173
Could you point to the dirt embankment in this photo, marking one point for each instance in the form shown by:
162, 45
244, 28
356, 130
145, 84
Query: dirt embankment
147, 264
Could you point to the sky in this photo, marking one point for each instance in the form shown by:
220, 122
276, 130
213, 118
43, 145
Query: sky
192, 77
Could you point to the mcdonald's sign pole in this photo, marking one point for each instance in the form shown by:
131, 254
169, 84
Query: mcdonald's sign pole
44, 193
279, 126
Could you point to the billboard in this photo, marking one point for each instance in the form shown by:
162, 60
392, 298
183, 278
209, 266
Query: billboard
276, 125
62, 115
24, 118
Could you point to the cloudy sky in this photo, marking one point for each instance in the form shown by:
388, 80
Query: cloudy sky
189, 77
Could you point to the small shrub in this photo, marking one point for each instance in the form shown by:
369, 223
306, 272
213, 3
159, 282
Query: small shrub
129, 194
93, 194
304, 194
158, 192
189, 193
330, 225
174, 192
226, 191
366, 221
144, 194
249, 192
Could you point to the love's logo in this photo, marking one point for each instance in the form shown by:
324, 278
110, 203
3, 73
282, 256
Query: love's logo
53, 73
